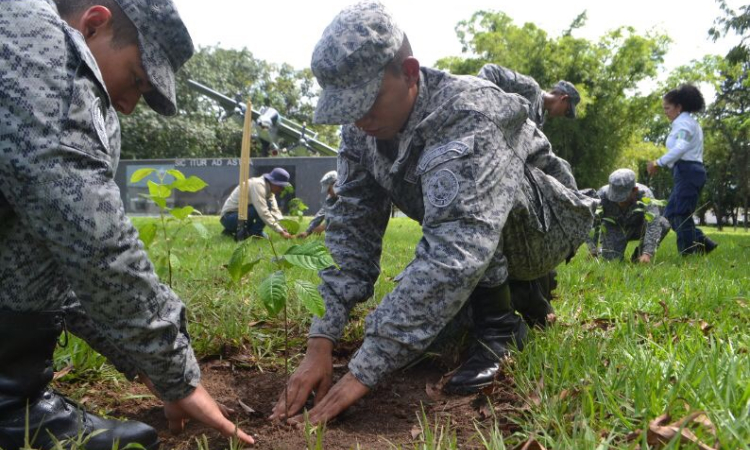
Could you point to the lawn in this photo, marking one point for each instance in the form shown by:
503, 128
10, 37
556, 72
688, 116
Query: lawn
631, 343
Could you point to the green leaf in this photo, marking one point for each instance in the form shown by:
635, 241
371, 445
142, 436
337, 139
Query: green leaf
246, 268
182, 213
158, 190
174, 261
273, 292
312, 255
609, 220
176, 174
192, 184
646, 200
140, 174
236, 261
310, 297
202, 230
161, 202
147, 233
290, 225
649, 216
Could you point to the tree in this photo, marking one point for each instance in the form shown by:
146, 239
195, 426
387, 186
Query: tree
607, 73
199, 131
729, 116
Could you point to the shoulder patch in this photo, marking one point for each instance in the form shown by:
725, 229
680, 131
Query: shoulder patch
438, 155
442, 188
97, 119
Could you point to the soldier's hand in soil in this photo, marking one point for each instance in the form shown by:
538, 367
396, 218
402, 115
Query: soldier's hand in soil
344, 394
200, 406
644, 258
315, 373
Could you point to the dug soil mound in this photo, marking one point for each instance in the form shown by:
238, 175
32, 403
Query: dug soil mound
386, 418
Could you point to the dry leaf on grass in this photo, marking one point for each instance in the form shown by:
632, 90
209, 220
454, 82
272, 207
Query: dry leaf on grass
661, 432
62, 373
415, 432
531, 444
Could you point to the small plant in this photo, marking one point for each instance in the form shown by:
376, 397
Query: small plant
278, 287
159, 193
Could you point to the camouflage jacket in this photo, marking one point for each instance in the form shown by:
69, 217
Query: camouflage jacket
525, 86
611, 215
65, 242
456, 169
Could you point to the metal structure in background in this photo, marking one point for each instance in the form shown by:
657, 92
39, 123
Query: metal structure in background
221, 176
270, 127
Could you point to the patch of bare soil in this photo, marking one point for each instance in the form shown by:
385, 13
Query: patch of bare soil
385, 418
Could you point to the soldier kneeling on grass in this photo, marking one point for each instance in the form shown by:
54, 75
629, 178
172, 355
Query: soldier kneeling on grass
452, 153
70, 260
627, 215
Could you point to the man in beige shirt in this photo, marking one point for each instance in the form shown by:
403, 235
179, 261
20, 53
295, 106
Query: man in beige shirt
263, 209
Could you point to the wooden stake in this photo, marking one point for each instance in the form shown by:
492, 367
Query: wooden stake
245, 166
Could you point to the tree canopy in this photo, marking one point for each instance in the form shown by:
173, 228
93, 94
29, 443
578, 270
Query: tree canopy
198, 130
607, 73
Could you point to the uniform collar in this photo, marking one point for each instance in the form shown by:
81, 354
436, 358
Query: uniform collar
404, 138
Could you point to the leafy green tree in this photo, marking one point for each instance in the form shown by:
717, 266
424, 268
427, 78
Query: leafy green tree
201, 128
607, 74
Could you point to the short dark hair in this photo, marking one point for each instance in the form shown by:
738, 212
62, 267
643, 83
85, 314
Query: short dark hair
124, 32
688, 97
398, 59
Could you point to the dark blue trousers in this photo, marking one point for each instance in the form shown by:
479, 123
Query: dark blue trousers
689, 178
253, 225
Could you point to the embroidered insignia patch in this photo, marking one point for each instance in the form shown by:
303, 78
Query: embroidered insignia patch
442, 188
97, 118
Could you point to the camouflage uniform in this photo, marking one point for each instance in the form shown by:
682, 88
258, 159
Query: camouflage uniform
629, 224
525, 86
65, 242
320, 216
459, 169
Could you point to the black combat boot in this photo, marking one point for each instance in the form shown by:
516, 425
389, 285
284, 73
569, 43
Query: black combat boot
29, 408
497, 328
532, 299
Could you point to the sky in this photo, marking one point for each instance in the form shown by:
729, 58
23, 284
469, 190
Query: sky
285, 31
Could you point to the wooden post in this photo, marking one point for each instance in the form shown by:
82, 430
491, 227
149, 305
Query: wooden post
245, 169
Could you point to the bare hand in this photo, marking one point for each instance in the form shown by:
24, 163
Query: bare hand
644, 258
314, 373
652, 168
302, 235
199, 405
343, 395
285, 235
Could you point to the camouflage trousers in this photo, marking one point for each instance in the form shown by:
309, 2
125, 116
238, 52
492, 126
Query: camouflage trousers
546, 226
615, 239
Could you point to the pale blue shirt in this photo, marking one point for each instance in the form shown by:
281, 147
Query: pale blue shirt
684, 143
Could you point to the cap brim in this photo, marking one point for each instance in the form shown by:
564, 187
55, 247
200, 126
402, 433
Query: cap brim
616, 196
339, 106
162, 97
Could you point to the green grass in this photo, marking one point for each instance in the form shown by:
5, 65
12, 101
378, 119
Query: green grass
632, 342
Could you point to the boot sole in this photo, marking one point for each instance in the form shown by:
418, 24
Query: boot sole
465, 390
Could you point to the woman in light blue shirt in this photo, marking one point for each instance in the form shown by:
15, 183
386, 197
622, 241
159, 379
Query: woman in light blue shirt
685, 157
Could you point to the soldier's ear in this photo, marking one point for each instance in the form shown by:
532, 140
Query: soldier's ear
94, 21
410, 68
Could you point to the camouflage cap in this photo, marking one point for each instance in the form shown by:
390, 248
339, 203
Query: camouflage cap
621, 184
568, 89
165, 46
349, 61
